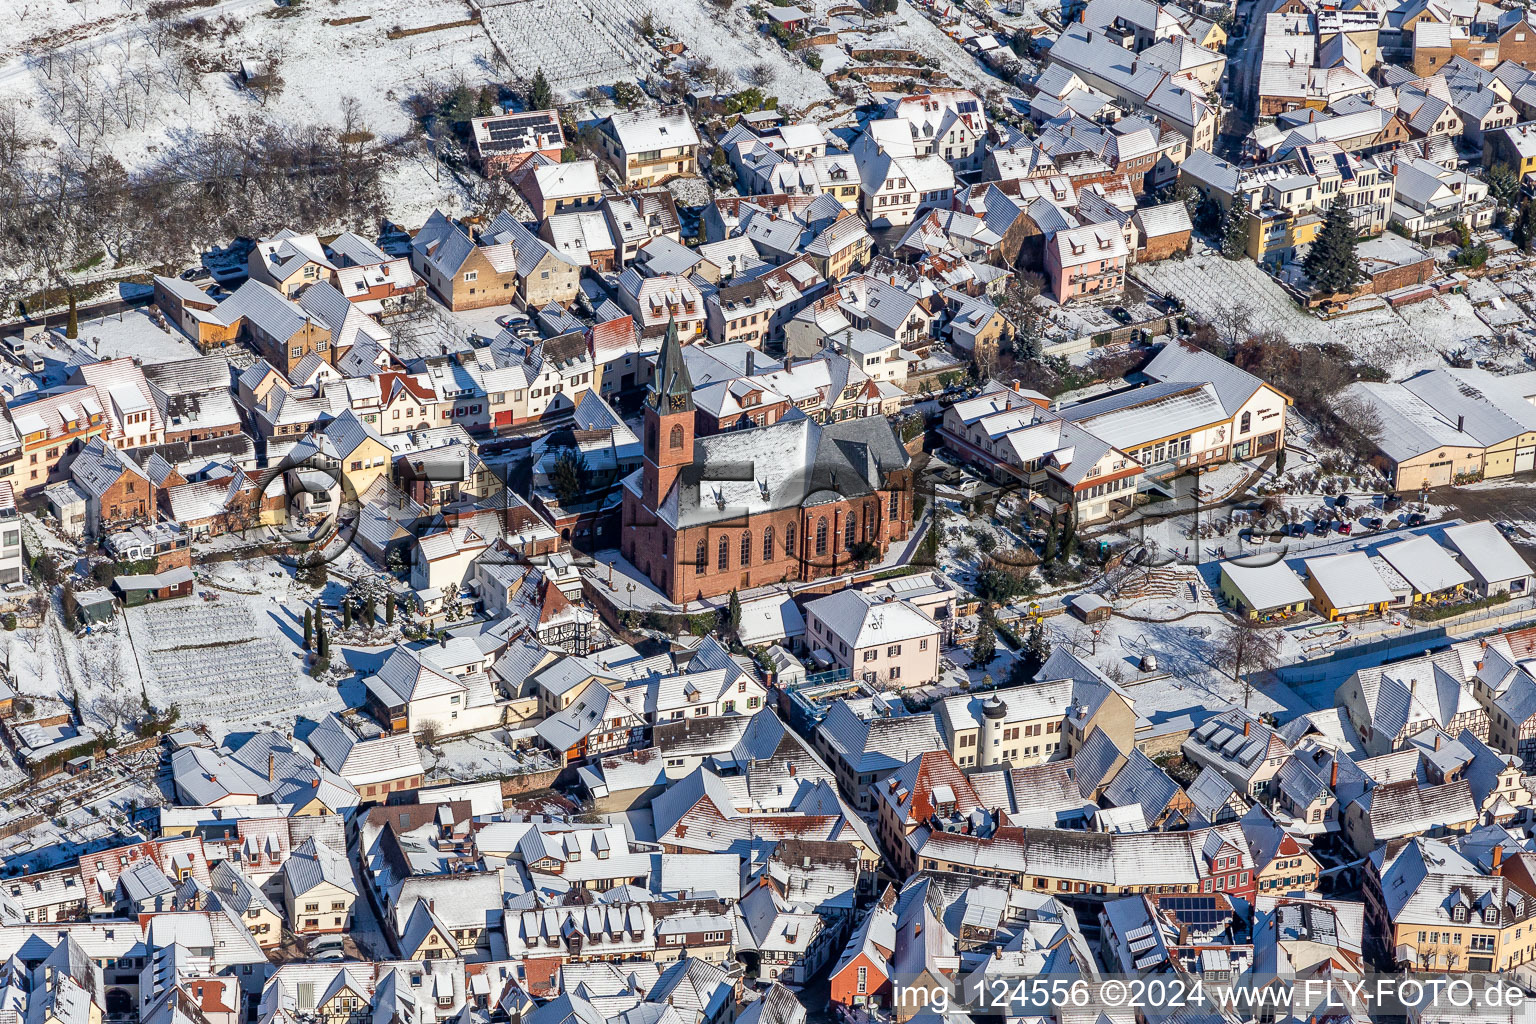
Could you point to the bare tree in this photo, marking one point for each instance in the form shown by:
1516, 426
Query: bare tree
760, 75
267, 77
1233, 320
116, 710
1246, 648
1357, 424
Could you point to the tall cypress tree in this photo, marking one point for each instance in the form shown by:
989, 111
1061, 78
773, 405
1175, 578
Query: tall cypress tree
1332, 263
1234, 232
309, 627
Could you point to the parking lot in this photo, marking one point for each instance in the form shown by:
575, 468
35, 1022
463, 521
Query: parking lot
1514, 503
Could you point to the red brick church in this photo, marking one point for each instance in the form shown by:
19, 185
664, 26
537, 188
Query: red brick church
793, 500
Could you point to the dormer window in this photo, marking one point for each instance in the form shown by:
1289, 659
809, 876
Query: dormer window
1459, 914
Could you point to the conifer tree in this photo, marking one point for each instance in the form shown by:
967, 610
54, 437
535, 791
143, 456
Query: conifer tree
540, 95
1332, 264
985, 647
1234, 233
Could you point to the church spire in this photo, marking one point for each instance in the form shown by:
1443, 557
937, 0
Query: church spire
672, 391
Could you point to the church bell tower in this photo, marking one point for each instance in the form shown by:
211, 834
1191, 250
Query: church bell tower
669, 422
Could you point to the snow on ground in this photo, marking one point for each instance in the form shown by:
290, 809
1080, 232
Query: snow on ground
226, 662
1401, 342
331, 52
1189, 681
486, 755
1449, 320
134, 332
909, 28
539, 33
416, 186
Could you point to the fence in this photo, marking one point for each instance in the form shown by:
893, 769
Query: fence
1412, 644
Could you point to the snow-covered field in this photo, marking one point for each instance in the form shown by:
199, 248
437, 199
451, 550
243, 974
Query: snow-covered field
329, 53
1402, 342
224, 661
539, 33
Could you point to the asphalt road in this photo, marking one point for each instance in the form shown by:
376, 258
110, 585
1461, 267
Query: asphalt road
94, 311
1246, 61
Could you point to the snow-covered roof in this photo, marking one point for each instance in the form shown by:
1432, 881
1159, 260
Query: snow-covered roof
1267, 586
1349, 580
1486, 552
859, 621
1427, 566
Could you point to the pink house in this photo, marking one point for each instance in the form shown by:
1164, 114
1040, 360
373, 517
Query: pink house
1088, 260
888, 642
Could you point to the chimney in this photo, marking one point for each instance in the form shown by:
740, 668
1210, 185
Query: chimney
1437, 741
314, 783
1247, 727
1018, 386
1461, 422
432, 904
1498, 860
271, 767
442, 641
751, 362
1333, 776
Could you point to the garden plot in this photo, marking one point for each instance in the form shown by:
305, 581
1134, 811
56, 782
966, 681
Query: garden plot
539, 34
1211, 287
221, 663
1448, 320
909, 28
533, 34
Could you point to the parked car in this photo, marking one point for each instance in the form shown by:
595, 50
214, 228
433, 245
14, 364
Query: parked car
1346, 528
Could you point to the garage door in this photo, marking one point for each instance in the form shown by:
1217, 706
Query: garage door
504, 419
1525, 460
1438, 474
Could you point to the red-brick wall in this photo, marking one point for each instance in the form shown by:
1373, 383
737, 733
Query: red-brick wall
1392, 279
1162, 247
120, 505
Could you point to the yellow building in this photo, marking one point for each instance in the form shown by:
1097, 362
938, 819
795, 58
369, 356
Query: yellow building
1263, 593
1346, 586
318, 889
1275, 233
1487, 923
